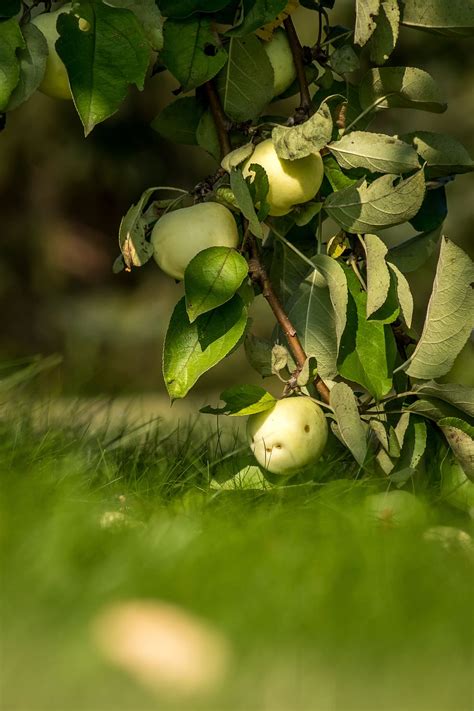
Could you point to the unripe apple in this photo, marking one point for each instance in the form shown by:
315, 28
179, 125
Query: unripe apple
289, 436
456, 488
179, 235
55, 82
396, 508
278, 51
290, 181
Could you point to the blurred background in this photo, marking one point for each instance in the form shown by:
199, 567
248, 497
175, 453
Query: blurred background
62, 198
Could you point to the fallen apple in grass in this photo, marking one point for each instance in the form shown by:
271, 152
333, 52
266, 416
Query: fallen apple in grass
289, 436
291, 182
396, 508
179, 235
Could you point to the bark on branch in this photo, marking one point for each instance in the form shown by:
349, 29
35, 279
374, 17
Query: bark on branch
220, 119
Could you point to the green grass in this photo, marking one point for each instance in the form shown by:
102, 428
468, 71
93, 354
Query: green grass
323, 609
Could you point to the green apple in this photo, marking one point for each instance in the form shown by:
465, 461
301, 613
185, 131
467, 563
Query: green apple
55, 82
179, 235
290, 181
278, 51
396, 508
456, 488
289, 436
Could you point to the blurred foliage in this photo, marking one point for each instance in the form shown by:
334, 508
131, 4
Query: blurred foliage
62, 197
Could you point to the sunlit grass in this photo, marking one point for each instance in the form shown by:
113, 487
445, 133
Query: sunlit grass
321, 608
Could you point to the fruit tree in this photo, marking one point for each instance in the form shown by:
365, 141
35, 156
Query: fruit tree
294, 213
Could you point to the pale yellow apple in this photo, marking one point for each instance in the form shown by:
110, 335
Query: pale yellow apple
456, 488
291, 182
289, 436
396, 508
55, 82
179, 235
278, 51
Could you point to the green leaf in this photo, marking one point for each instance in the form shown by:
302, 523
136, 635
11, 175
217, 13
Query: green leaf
32, 65
352, 429
344, 60
449, 318
11, 41
211, 278
457, 395
460, 437
376, 152
243, 196
237, 156
413, 253
135, 248
245, 85
378, 274
103, 60
191, 51
402, 88
306, 138
303, 214
259, 354
444, 155
404, 295
206, 135
433, 211
366, 12
384, 203
367, 352
191, 349
178, 122
384, 39
243, 400
318, 313
248, 478
149, 17
336, 178
433, 409
259, 187
256, 14
454, 18
390, 309
414, 444
9, 8
180, 9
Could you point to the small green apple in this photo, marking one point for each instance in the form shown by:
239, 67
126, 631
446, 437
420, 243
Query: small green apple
289, 436
456, 488
396, 508
179, 235
55, 82
290, 181
278, 51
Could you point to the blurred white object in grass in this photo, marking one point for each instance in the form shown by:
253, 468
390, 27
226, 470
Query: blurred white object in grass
164, 647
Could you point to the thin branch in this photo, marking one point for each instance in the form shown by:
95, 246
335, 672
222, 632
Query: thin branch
259, 275
220, 119
297, 52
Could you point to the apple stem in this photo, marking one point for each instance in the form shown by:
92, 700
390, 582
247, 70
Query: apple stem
220, 119
259, 275
298, 57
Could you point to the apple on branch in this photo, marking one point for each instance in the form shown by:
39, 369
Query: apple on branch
179, 235
291, 182
289, 436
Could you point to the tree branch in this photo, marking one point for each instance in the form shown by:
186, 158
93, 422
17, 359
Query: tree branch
220, 119
259, 275
297, 52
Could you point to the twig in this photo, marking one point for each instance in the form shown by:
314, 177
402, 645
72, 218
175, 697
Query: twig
220, 119
297, 52
259, 275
